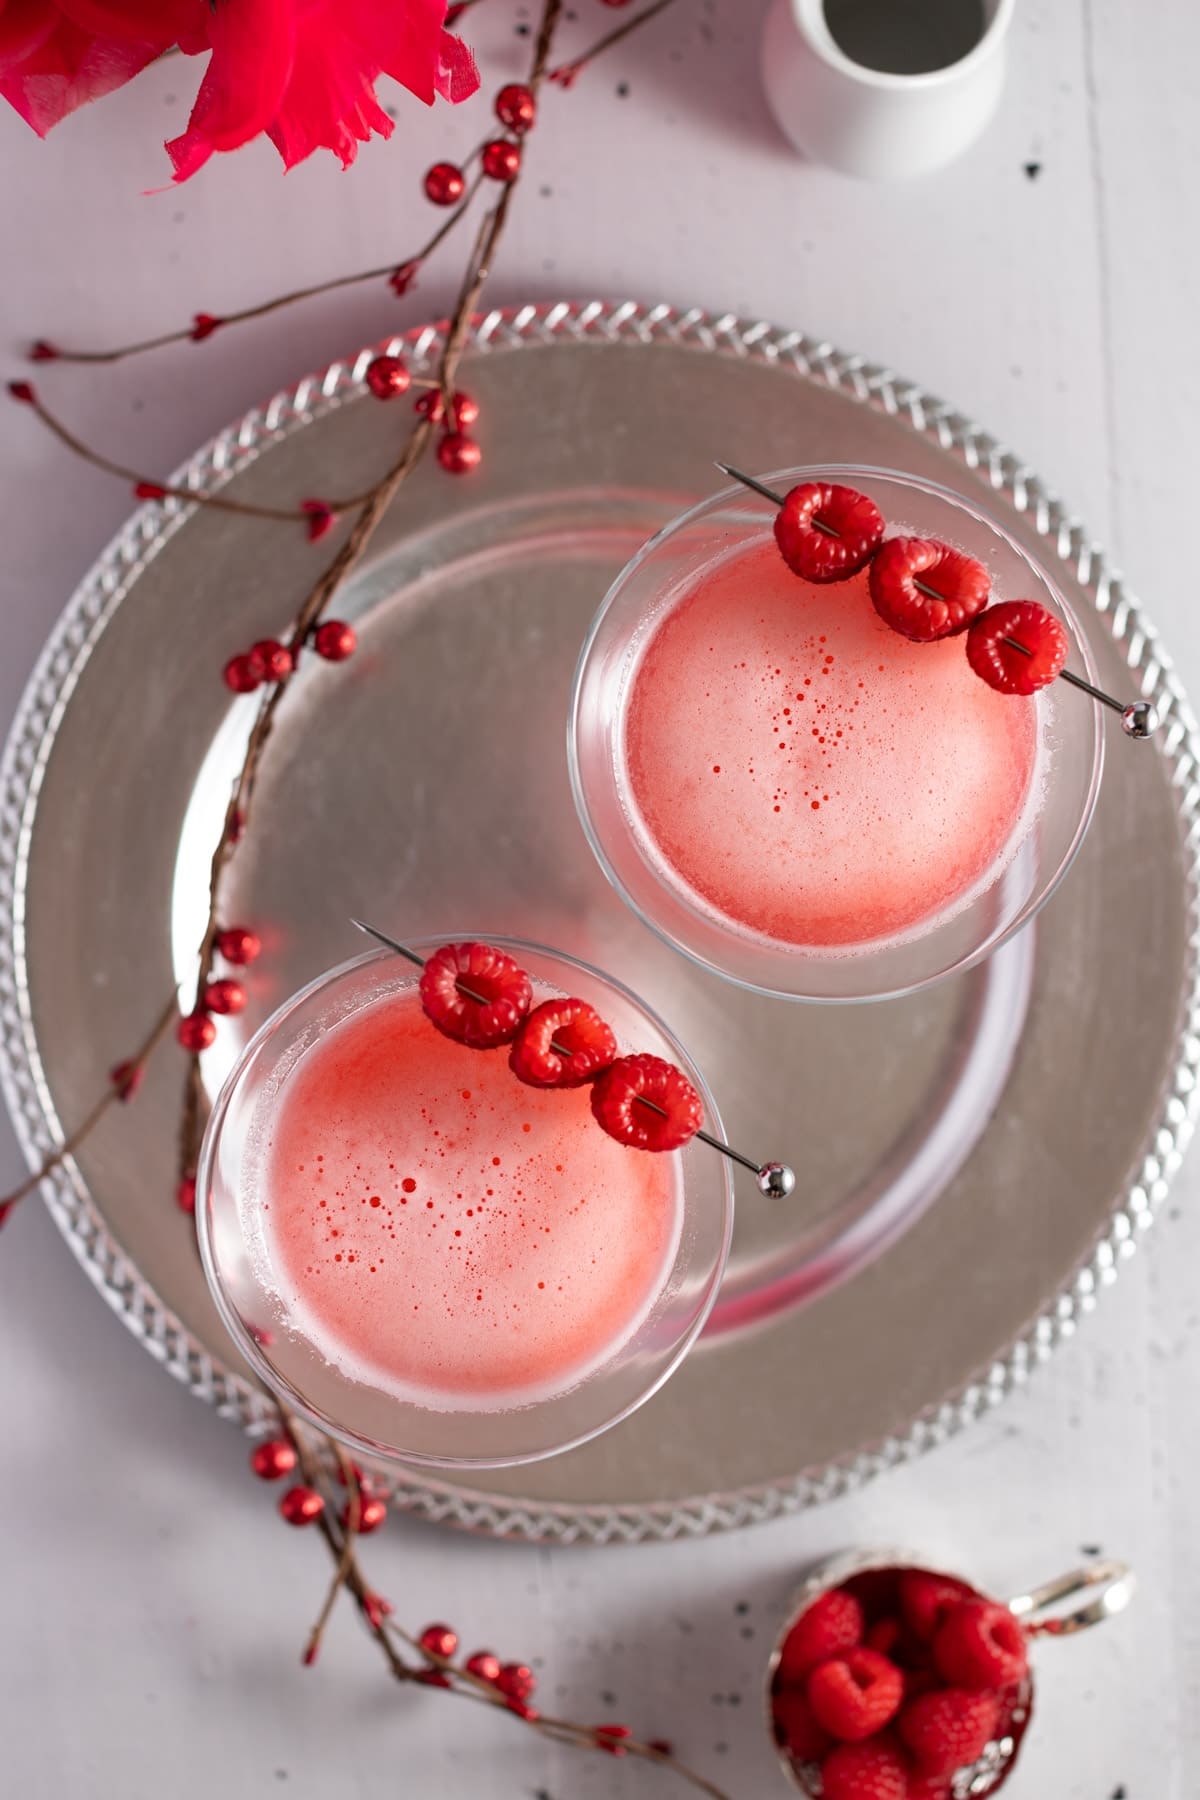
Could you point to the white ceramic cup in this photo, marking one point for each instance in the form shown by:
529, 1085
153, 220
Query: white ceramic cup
869, 121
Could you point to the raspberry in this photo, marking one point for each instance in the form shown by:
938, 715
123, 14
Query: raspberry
1017, 671
981, 1645
874, 1770
926, 590
562, 1043
826, 532
949, 1729
797, 1728
884, 1635
929, 1787
853, 1696
925, 1600
832, 1625
619, 1093
499, 998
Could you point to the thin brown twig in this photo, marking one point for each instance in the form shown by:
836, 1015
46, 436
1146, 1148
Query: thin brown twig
570, 70
111, 1096
188, 333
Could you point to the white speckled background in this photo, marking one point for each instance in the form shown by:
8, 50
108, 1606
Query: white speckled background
1048, 284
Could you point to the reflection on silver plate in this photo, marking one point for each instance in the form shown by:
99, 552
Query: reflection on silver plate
974, 1161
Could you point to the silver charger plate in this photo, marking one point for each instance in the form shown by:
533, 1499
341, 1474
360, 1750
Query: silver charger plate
974, 1162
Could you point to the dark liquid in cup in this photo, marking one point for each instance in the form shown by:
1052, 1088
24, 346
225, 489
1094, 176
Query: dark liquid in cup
905, 37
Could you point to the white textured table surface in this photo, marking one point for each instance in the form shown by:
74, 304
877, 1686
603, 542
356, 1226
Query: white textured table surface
1049, 285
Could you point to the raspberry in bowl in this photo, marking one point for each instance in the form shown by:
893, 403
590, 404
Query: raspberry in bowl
809, 748
895, 1680
460, 1215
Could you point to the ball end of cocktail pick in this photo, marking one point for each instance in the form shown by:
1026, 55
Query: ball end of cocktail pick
1140, 720
776, 1180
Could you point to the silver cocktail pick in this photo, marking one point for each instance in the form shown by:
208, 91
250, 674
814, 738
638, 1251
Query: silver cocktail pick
1139, 719
773, 1178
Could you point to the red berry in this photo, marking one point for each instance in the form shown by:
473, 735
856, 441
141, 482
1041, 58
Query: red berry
402, 279
458, 453
372, 1511
499, 998
516, 1681
272, 1459
242, 674
127, 1078
335, 640
501, 160
185, 1194
22, 391
516, 108
430, 405
203, 326
926, 590
225, 997
854, 1695
466, 411
608, 1737
981, 1645
874, 1770
196, 1031
797, 1728
832, 1625
1017, 671
562, 1043
434, 1678
276, 659
647, 1103
483, 1664
377, 1609
320, 516
522, 1710
949, 1728
149, 490
388, 376
925, 1599
439, 1640
301, 1505
826, 532
239, 946
42, 351
445, 184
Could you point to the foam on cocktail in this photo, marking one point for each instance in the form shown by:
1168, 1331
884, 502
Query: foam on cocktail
806, 774
441, 1231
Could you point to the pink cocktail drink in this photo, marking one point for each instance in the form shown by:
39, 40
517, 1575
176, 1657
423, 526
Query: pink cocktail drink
806, 749
418, 1248
444, 1232
807, 774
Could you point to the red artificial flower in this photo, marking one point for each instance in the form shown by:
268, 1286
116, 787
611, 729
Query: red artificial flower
302, 71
